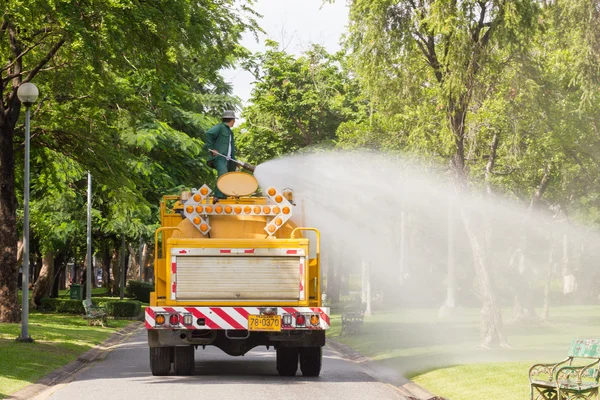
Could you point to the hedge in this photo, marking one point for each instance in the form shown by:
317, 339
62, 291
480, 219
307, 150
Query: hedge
116, 308
128, 308
139, 290
64, 306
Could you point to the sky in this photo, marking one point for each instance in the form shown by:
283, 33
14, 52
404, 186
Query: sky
295, 24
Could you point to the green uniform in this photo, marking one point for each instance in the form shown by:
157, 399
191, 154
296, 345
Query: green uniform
219, 138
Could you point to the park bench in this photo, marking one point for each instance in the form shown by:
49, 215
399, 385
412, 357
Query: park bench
567, 379
352, 319
95, 314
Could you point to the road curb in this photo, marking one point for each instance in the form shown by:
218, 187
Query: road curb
406, 387
63, 373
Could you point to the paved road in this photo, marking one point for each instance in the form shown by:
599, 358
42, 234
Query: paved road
124, 374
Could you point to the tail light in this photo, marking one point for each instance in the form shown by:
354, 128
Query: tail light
286, 319
174, 319
314, 320
160, 319
300, 320
187, 319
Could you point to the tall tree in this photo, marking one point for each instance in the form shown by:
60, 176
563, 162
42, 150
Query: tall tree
439, 49
297, 103
98, 66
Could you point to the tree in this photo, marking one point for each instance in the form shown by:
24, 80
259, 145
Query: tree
438, 50
98, 66
296, 103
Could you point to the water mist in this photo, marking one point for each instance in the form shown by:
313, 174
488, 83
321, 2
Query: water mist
425, 247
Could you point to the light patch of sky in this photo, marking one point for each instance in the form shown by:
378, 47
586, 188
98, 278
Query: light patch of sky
295, 25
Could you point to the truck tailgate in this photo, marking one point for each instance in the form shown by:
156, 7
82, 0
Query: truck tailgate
238, 278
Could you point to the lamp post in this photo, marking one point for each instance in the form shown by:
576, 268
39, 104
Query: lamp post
28, 94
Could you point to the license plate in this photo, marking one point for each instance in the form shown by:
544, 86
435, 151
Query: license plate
264, 322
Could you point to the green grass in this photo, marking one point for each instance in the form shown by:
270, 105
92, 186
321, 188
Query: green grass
59, 339
444, 357
507, 381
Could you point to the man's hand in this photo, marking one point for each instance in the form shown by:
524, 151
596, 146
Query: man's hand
213, 152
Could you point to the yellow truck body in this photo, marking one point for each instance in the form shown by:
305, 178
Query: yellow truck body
236, 275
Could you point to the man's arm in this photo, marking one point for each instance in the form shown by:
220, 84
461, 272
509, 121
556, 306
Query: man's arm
211, 137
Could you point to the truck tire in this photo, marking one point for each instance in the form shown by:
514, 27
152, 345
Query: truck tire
160, 360
310, 360
287, 361
184, 360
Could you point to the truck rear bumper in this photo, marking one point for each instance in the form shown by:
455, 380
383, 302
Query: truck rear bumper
235, 318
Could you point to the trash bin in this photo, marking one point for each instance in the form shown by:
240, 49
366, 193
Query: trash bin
76, 292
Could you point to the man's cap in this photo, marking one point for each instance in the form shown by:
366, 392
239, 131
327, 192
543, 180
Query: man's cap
228, 114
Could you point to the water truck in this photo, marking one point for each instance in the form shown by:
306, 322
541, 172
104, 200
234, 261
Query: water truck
235, 273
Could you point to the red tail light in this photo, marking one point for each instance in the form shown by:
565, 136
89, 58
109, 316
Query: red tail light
174, 319
300, 320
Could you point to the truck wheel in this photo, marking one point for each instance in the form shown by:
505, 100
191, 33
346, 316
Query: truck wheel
184, 360
310, 360
287, 361
160, 360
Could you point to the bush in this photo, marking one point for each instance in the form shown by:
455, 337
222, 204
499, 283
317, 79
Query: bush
128, 308
64, 306
139, 290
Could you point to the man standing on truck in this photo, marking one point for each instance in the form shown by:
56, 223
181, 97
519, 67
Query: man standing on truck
219, 139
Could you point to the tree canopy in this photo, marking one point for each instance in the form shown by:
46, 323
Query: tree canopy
127, 90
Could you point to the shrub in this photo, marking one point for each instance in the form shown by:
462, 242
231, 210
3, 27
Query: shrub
139, 290
128, 308
64, 306
47, 304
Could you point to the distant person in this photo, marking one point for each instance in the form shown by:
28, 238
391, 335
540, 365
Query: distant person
219, 139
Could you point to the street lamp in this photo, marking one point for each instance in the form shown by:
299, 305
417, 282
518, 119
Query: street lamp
28, 94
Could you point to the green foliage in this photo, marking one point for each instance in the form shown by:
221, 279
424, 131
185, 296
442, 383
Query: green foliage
134, 118
128, 308
296, 103
139, 290
63, 306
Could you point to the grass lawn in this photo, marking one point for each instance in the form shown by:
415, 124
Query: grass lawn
59, 339
443, 355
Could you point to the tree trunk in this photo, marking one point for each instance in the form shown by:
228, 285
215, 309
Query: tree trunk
145, 257
43, 285
489, 167
116, 268
569, 282
491, 318
20, 248
523, 309
366, 287
106, 265
59, 269
546, 310
134, 270
402, 246
10, 311
450, 302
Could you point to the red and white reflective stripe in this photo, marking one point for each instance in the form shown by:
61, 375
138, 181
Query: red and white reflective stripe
302, 289
264, 252
236, 251
173, 278
230, 318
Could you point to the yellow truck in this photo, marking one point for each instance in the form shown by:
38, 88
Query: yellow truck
236, 273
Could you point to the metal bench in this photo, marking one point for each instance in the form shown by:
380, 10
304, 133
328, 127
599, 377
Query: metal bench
95, 314
352, 320
565, 381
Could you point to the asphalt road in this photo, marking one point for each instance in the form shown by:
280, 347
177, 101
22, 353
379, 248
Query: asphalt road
124, 374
